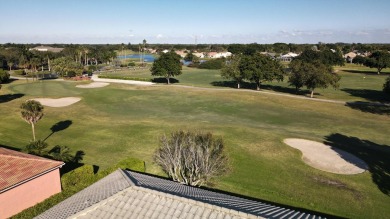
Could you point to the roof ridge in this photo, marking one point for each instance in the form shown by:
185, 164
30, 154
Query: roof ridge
34, 158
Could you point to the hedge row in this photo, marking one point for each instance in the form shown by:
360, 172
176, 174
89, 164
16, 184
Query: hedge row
125, 78
76, 180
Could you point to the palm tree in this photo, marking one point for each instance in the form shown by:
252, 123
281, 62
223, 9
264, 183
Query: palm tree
32, 112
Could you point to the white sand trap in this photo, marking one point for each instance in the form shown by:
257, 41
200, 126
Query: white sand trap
93, 85
326, 158
60, 102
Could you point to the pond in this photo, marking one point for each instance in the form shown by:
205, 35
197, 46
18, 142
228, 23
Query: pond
146, 57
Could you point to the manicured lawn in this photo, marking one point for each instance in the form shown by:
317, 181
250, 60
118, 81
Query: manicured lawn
358, 83
119, 121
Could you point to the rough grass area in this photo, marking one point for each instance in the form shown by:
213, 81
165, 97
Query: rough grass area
119, 121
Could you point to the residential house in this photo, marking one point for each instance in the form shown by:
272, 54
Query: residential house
127, 194
288, 57
212, 54
181, 53
350, 56
199, 54
26, 180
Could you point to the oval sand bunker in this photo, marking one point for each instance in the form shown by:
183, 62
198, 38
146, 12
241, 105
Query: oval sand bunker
326, 158
60, 102
93, 85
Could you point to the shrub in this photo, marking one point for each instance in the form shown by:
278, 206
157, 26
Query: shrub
192, 158
37, 147
78, 178
71, 74
4, 76
131, 64
19, 72
92, 67
126, 164
386, 86
212, 64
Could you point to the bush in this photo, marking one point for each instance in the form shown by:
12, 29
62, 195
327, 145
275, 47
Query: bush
212, 64
71, 74
92, 67
192, 158
131, 64
126, 164
4, 76
37, 147
78, 178
20, 72
386, 86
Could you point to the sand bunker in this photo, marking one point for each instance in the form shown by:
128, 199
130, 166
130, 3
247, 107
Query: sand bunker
93, 85
60, 102
326, 158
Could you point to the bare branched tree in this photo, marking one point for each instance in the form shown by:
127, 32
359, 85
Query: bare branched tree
192, 158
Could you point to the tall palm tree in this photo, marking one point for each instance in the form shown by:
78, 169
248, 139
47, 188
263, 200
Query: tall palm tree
32, 112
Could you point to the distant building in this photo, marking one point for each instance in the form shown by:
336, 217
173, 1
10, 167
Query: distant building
47, 49
288, 57
127, 194
350, 56
198, 54
181, 53
26, 180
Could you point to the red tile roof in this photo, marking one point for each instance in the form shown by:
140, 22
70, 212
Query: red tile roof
16, 167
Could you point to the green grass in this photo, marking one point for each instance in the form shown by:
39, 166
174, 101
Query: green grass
357, 83
120, 121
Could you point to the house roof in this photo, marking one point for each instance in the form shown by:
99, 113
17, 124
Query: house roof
17, 167
47, 48
126, 194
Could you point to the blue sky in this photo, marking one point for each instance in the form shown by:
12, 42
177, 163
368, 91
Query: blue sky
190, 21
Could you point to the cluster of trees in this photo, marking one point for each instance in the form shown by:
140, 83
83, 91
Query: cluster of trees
314, 69
255, 68
69, 60
378, 59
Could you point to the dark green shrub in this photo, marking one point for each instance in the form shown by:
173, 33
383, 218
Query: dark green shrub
212, 64
37, 147
386, 86
131, 64
19, 72
4, 76
92, 67
71, 74
77, 178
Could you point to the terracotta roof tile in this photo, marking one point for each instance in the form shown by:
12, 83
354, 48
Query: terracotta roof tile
16, 167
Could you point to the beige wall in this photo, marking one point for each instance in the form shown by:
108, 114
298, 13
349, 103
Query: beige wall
30, 193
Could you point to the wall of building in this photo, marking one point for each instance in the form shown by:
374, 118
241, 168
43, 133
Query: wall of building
30, 193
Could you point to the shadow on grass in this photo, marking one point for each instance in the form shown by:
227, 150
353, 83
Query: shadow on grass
371, 95
164, 80
376, 157
233, 84
9, 97
59, 126
381, 109
76, 163
367, 72
216, 199
252, 86
10, 148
